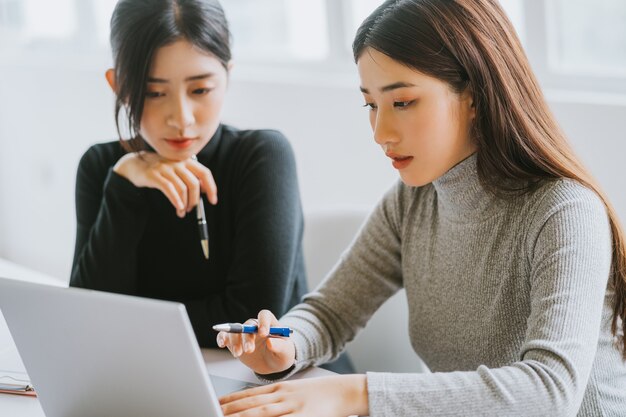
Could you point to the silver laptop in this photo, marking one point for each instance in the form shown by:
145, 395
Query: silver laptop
91, 353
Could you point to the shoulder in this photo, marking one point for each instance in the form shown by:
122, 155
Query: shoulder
258, 138
95, 164
101, 156
565, 195
256, 142
565, 209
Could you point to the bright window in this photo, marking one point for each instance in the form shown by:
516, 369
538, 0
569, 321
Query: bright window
588, 37
270, 30
103, 9
37, 21
572, 44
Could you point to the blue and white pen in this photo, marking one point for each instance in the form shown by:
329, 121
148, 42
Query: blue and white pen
251, 328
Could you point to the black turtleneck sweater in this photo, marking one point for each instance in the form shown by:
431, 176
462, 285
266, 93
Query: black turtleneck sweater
130, 241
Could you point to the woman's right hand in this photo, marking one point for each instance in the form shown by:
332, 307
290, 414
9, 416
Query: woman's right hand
262, 353
180, 181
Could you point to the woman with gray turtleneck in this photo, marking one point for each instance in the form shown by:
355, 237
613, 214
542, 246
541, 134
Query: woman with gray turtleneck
513, 261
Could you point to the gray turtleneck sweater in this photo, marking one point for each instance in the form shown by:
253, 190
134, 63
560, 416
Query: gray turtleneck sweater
508, 301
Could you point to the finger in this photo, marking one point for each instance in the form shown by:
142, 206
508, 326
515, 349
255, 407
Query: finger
227, 343
249, 339
207, 182
250, 393
228, 339
170, 175
258, 406
235, 344
170, 192
221, 339
266, 319
192, 184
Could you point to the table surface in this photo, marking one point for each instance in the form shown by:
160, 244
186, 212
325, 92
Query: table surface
218, 361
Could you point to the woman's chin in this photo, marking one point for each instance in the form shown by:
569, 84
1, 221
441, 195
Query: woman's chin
415, 180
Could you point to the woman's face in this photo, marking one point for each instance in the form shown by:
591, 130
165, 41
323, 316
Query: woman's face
184, 97
421, 124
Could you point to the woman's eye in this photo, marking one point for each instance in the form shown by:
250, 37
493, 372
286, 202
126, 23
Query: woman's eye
154, 94
202, 91
403, 104
371, 106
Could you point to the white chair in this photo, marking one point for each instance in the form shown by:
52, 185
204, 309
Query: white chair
384, 343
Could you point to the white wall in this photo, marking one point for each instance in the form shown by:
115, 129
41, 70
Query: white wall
596, 127
50, 115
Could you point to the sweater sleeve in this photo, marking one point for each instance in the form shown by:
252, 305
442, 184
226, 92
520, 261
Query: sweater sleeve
111, 216
268, 225
569, 253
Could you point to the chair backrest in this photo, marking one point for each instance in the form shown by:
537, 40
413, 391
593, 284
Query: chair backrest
384, 343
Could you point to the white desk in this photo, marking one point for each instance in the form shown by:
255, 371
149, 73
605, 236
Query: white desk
12, 270
219, 362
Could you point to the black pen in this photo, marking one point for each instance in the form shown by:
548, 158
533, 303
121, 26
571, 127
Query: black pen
202, 227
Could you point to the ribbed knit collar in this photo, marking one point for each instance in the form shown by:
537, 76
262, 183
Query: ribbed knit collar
461, 196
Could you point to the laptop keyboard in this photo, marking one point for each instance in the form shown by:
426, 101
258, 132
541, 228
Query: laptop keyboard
223, 385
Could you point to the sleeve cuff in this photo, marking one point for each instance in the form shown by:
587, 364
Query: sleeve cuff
376, 391
121, 188
278, 376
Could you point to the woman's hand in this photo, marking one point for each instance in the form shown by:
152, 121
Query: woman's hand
333, 396
180, 181
260, 352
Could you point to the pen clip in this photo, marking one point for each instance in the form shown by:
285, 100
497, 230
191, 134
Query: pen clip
16, 387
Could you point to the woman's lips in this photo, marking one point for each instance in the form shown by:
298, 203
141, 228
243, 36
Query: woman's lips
399, 161
179, 143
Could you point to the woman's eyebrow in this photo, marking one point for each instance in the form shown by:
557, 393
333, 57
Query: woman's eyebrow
191, 78
390, 87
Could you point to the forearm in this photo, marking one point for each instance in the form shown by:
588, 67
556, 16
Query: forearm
523, 389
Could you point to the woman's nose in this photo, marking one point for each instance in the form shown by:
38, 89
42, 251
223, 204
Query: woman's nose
181, 114
384, 129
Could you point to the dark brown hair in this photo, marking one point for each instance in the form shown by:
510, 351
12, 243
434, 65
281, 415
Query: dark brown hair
139, 28
472, 44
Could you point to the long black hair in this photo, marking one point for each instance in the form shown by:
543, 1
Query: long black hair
139, 28
471, 44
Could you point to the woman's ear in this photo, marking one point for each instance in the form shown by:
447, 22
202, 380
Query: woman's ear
468, 97
110, 76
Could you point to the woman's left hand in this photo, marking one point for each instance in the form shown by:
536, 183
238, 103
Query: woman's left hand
333, 396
